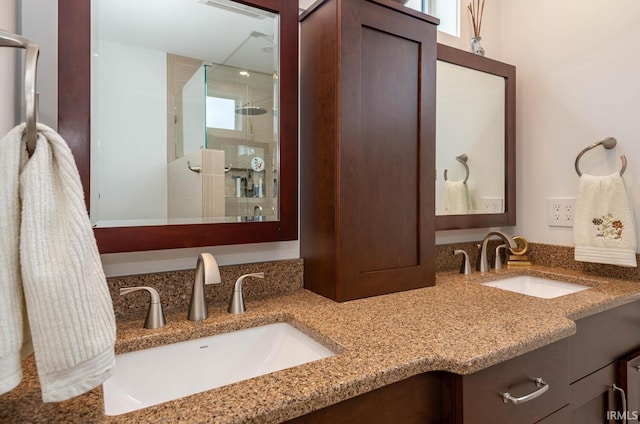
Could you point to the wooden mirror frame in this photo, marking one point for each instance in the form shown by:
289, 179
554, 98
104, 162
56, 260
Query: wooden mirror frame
508, 72
74, 124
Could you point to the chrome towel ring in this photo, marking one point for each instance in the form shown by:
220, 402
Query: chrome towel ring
463, 160
607, 143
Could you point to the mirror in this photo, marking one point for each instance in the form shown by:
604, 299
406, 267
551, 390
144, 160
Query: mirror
192, 136
475, 141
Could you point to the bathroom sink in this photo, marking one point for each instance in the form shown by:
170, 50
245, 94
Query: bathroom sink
152, 376
537, 287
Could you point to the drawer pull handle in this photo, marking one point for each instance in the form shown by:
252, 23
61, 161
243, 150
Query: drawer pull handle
542, 387
623, 396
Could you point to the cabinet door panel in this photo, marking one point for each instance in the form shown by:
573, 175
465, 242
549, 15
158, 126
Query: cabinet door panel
592, 396
387, 151
387, 155
630, 382
595, 345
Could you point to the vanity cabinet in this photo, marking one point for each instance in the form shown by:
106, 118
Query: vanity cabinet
479, 397
629, 374
580, 372
367, 148
415, 400
603, 353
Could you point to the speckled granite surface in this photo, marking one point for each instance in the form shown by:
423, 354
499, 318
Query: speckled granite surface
457, 326
175, 287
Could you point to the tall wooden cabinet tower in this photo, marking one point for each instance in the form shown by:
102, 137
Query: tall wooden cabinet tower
367, 143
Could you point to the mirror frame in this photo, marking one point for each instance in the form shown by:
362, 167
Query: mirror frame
74, 121
508, 72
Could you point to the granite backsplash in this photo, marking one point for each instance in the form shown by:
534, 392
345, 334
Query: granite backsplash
285, 276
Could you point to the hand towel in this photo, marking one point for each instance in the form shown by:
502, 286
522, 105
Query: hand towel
12, 318
454, 198
603, 224
69, 308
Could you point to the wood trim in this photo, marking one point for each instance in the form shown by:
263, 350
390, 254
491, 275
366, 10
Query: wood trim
74, 83
508, 72
74, 117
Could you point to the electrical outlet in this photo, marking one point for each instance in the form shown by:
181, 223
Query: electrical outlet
567, 214
560, 211
491, 205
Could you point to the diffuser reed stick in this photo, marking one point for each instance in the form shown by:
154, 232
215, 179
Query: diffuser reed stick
476, 9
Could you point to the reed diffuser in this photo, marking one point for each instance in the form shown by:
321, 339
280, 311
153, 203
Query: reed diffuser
476, 9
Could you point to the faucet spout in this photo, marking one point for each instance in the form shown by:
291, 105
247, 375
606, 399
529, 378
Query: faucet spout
482, 264
207, 272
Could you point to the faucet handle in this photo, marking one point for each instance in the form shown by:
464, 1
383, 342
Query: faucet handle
155, 316
465, 266
498, 261
236, 305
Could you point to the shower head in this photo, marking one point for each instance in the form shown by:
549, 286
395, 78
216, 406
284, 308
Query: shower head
258, 34
248, 109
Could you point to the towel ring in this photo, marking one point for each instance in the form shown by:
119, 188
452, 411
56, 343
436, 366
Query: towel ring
30, 68
463, 160
607, 143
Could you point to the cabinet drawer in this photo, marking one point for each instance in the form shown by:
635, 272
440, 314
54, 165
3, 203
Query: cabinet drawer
478, 397
559, 417
603, 338
593, 386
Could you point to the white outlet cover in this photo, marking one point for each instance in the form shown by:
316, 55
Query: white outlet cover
560, 211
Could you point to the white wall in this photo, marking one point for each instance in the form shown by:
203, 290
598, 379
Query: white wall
45, 36
131, 133
578, 73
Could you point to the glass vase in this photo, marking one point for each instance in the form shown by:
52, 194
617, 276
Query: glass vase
476, 48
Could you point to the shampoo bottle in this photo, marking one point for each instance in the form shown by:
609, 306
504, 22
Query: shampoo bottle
238, 187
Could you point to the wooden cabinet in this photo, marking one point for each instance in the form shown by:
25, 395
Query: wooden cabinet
629, 378
367, 143
600, 351
479, 397
577, 392
415, 400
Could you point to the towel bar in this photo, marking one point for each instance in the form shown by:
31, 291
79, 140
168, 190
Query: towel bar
607, 143
30, 96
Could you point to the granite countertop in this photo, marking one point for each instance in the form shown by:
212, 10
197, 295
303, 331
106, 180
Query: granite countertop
457, 326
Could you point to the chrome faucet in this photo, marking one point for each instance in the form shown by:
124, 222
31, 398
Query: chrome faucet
497, 263
155, 316
236, 305
483, 264
465, 266
207, 272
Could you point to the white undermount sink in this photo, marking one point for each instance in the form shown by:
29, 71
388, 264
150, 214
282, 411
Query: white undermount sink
148, 377
537, 287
